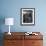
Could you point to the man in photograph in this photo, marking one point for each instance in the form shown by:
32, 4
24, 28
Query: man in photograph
27, 17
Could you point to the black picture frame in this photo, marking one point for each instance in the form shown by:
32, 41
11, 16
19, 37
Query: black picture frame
27, 16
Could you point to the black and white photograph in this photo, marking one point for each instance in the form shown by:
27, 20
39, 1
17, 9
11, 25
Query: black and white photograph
27, 16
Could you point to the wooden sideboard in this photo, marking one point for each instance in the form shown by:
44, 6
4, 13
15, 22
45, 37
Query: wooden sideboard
20, 39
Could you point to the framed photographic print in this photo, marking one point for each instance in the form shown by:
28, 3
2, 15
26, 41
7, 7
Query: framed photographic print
27, 16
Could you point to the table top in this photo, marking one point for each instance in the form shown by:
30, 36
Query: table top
22, 35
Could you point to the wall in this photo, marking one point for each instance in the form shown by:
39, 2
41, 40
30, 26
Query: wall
11, 8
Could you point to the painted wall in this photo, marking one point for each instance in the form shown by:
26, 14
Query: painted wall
11, 8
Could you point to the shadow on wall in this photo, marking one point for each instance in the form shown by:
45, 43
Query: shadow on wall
2, 21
